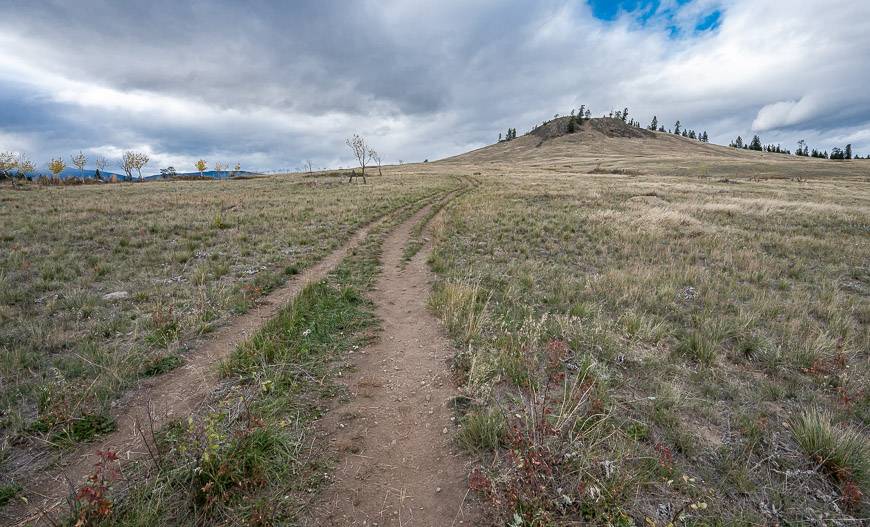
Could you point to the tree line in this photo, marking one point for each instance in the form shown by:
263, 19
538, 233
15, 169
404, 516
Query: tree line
803, 150
18, 166
678, 129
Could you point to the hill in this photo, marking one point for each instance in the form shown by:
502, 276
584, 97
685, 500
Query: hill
610, 145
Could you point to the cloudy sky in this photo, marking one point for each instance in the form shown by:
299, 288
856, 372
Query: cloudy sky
271, 84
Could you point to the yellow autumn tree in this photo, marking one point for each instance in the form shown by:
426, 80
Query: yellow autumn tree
56, 166
201, 165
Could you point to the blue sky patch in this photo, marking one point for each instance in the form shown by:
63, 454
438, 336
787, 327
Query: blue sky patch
650, 11
710, 22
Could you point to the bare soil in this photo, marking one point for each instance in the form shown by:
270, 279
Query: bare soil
398, 465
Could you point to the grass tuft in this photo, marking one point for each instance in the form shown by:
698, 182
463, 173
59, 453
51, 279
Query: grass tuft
482, 430
461, 306
844, 453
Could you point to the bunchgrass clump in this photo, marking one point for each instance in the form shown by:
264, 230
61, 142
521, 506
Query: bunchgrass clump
461, 306
482, 430
842, 452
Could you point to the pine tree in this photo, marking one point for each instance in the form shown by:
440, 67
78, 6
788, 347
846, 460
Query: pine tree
677, 128
848, 152
654, 125
704, 137
624, 114
755, 144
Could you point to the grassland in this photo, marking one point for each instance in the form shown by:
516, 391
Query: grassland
648, 331
187, 255
250, 456
640, 345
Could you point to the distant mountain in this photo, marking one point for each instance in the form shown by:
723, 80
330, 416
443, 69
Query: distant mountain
72, 172
212, 174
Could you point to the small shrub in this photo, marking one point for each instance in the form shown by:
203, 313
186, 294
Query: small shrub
92, 502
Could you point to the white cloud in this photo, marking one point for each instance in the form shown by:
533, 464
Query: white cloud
422, 80
786, 113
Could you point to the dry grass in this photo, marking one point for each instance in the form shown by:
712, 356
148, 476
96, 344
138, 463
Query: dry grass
189, 255
703, 315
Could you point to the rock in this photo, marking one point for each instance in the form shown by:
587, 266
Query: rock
117, 295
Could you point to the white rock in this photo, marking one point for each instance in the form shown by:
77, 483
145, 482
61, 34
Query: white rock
117, 295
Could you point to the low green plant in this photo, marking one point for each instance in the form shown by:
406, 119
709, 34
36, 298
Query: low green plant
7, 492
161, 364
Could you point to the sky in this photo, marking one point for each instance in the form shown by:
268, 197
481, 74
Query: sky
272, 84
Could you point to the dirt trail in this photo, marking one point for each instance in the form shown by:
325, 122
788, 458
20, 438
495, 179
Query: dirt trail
169, 396
399, 466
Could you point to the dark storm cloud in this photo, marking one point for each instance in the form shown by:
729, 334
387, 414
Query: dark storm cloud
273, 83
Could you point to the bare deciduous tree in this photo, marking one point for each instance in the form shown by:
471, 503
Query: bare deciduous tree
308, 165
128, 163
218, 168
377, 159
79, 162
100, 163
24, 166
362, 153
140, 159
8, 163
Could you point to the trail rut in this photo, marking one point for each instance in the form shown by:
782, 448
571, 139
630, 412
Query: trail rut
398, 464
173, 395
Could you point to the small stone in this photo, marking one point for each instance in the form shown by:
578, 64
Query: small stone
437, 489
444, 431
117, 295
